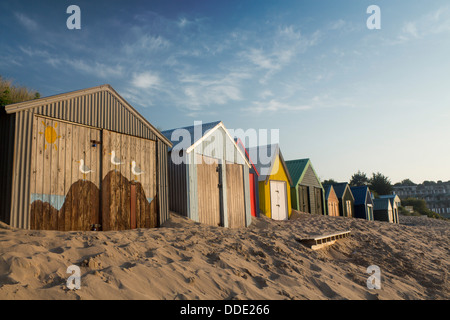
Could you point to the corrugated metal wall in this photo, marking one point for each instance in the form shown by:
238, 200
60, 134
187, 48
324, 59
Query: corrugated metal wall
7, 123
99, 109
20, 213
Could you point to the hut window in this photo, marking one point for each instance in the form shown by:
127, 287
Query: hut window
180, 153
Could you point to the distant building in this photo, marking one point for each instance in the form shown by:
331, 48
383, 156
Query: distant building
436, 195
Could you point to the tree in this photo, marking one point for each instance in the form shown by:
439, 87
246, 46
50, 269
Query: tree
407, 182
359, 179
380, 184
329, 181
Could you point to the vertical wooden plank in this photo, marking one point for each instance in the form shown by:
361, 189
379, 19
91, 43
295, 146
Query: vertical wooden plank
61, 174
82, 197
133, 213
106, 180
115, 209
208, 191
53, 176
235, 196
76, 176
137, 156
126, 144
46, 184
34, 162
68, 181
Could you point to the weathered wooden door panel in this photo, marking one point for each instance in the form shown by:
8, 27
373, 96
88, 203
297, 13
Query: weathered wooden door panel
65, 176
278, 198
303, 196
208, 190
128, 192
235, 195
318, 200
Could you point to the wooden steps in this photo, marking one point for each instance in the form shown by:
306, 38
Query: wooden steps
319, 241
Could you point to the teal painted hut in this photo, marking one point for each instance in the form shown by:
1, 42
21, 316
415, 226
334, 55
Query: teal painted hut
307, 193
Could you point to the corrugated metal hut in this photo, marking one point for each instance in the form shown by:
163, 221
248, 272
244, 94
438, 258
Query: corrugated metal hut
307, 193
331, 200
363, 202
274, 181
82, 160
346, 199
382, 210
253, 182
208, 175
395, 203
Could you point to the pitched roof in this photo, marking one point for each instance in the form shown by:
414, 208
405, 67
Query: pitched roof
198, 133
391, 197
25, 105
240, 144
297, 169
360, 194
382, 204
327, 189
339, 188
264, 158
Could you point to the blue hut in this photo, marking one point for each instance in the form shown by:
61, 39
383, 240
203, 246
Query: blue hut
363, 205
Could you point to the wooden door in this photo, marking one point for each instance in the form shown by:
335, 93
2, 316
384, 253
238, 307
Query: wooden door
318, 200
235, 195
65, 176
303, 196
369, 212
208, 190
128, 193
278, 198
348, 206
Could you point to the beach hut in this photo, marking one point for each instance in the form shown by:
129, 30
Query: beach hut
346, 199
363, 205
331, 201
382, 210
395, 203
208, 176
307, 193
83, 160
253, 182
274, 181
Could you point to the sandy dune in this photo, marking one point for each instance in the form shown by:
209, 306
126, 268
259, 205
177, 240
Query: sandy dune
186, 260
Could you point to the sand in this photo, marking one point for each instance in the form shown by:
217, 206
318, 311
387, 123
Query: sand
187, 260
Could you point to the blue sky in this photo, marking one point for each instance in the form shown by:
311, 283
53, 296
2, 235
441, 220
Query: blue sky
346, 97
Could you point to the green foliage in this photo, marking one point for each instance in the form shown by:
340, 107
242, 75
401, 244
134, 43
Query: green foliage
403, 211
329, 181
10, 93
380, 184
407, 182
420, 207
359, 179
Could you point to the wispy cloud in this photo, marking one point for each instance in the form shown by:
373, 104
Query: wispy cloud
275, 105
278, 50
26, 21
432, 23
145, 80
201, 91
